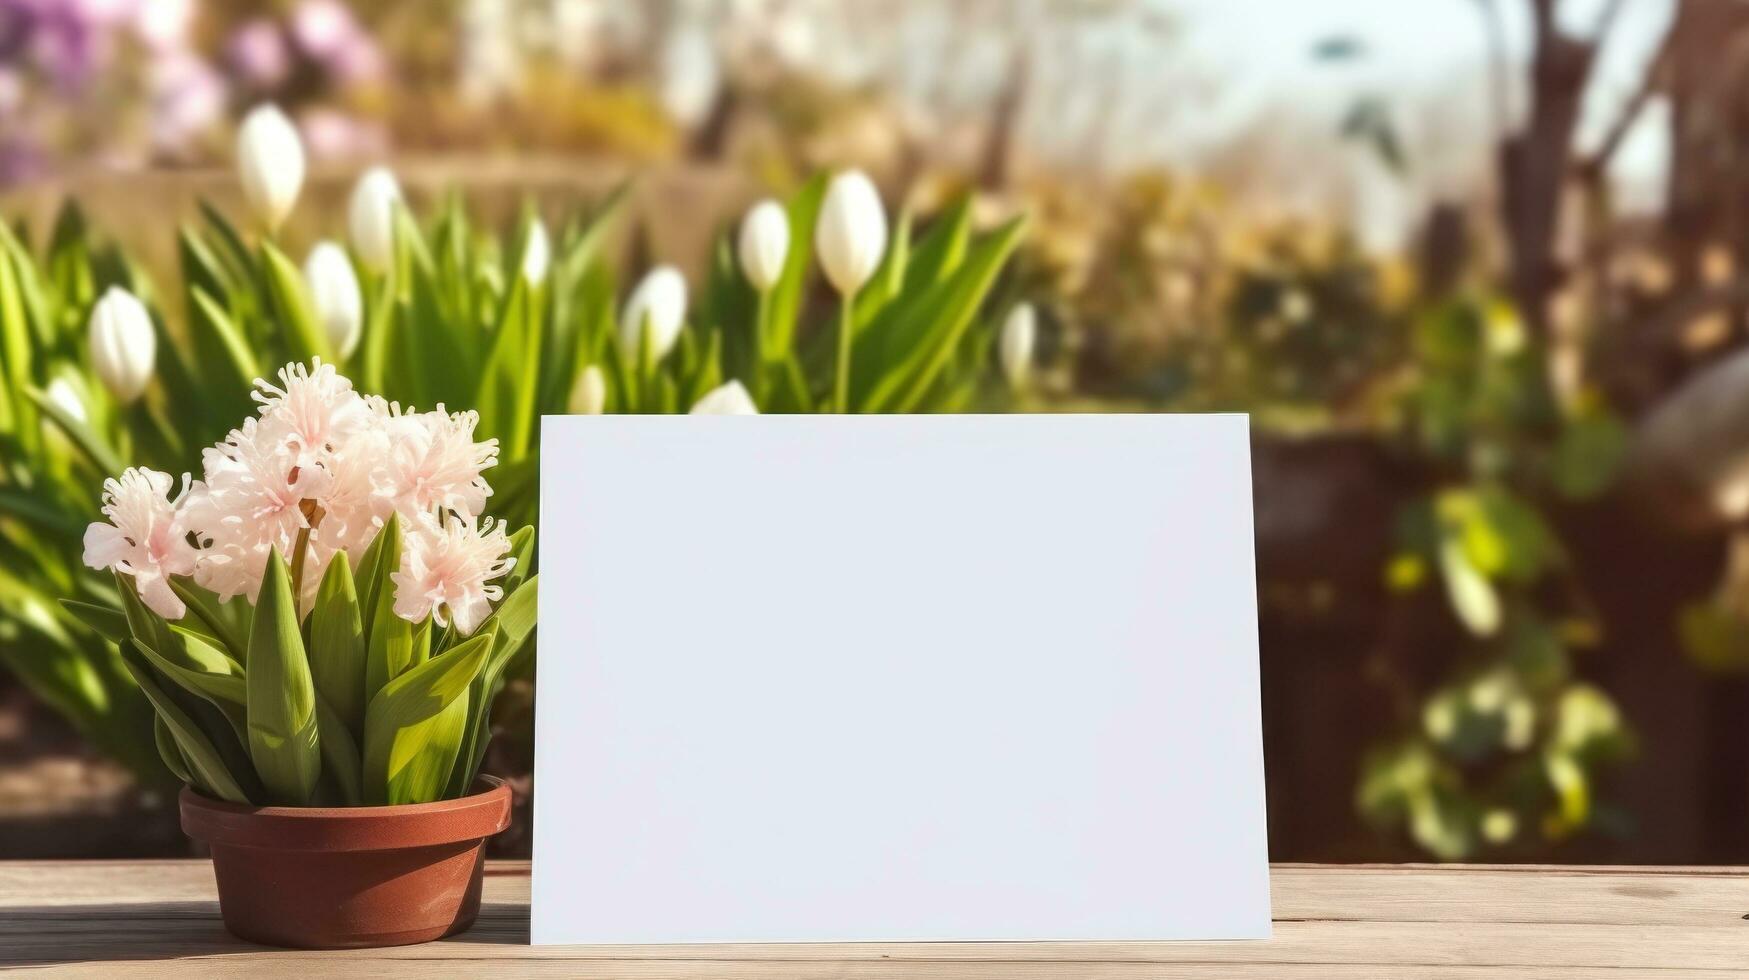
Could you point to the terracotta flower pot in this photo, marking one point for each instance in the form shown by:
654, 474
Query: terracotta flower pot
335, 877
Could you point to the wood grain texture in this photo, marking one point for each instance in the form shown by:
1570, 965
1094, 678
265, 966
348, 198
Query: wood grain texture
160, 918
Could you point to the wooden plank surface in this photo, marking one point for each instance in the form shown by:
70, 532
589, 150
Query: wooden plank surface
160, 918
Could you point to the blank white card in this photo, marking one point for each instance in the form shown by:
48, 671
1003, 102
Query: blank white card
868, 678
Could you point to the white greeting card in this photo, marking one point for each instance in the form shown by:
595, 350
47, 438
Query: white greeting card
868, 678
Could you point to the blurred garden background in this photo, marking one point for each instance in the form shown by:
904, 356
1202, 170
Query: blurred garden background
1478, 270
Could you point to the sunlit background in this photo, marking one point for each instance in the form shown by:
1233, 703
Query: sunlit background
1479, 269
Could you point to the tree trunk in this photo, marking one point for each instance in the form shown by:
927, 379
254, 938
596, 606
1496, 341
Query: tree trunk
1536, 161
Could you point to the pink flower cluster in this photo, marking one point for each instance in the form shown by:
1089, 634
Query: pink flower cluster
324, 459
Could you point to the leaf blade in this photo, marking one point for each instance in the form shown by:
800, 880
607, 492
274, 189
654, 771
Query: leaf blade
281, 696
337, 644
414, 725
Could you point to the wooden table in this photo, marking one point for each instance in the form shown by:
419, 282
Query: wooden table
145, 918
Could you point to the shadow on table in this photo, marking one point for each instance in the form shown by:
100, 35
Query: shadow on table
499, 924
171, 930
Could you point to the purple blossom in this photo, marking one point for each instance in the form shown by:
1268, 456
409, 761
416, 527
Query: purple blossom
67, 41
327, 33
322, 27
257, 53
188, 97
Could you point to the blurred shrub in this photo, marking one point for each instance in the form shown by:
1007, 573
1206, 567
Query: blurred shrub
1506, 749
1174, 296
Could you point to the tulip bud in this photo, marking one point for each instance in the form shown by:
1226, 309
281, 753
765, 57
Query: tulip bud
334, 294
370, 217
537, 254
1014, 349
66, 397
728, 399
764, 244
589, 395
270, 163
659, 306
123, 344
852, 233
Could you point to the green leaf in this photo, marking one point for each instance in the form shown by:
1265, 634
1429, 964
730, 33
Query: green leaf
168, 751
421, 357
582, 296
219, 620
941, 249
889, 279
421, 651
224, 691
337, 644
205, 765
290, 302
102, 456
70, 684
509, 387
111, 624
786, 295
230, 242
1472, 595
340, 760
915, 337
216, 335
201, 268
68, 261
413, 728
393, 643
1572, 787
148, 628
513, 621
381, 558
16, 356
442, 350
379, 333
476, 732
281, 696
35, 508
522, 556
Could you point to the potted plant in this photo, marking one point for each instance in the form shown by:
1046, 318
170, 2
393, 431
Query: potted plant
321, 624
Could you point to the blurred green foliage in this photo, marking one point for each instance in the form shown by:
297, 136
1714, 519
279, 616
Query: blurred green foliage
1182, 301
1507, 748
453, 321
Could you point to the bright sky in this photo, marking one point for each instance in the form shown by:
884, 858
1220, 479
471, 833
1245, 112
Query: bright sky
1428, 58
1236, 86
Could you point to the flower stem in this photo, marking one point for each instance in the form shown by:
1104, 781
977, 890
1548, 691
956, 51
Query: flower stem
842, 401
756, 367
646, 366
312, 517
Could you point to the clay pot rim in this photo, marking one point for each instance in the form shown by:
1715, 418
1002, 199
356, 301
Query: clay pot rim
348, 828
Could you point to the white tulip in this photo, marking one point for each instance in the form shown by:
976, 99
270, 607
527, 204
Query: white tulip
658, 305
270, 163
764, 244
1014, 349
370, 217
334, 294
728, 399
589, 395
63, 394
123, 344
537, 254
852, 233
